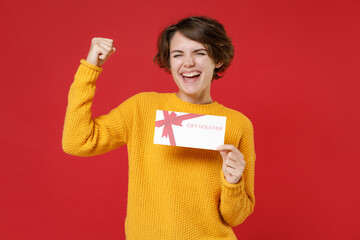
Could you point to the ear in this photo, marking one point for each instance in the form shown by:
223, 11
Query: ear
217, 65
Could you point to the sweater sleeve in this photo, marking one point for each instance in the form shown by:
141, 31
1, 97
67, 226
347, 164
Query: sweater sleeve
238, 200
82, 134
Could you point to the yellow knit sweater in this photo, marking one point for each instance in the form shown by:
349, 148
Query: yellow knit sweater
173, 192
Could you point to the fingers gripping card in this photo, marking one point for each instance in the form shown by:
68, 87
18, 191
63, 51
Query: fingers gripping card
189, 130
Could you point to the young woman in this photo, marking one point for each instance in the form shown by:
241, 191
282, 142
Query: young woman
173, 192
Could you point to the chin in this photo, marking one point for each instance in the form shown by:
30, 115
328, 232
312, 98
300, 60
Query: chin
190, 90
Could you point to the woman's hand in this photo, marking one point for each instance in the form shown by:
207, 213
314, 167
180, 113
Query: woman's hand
100, 50
233, 162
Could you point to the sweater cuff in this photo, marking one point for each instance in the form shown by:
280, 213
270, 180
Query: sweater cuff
231, 188
92, 66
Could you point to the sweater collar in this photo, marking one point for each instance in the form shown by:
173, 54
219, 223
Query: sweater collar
182, 106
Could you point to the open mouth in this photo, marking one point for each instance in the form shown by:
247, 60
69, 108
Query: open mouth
191, 77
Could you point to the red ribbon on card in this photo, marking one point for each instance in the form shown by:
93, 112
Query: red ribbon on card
172, 119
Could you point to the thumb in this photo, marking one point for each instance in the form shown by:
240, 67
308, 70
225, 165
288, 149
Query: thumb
112, 50
223, 154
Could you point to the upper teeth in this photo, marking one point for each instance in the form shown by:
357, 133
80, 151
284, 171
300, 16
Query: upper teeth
191, 74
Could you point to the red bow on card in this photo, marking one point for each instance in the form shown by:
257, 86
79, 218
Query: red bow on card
172, 119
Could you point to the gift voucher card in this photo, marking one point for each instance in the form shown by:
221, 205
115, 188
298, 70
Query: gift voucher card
189, 130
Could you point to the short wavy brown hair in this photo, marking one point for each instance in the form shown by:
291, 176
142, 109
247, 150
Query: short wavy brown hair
201, 29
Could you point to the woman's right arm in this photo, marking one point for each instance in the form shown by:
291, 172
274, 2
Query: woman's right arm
82, 134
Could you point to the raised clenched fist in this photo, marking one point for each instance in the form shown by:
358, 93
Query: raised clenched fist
100, 50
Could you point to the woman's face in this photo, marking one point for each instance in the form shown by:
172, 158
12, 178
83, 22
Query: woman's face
191, 67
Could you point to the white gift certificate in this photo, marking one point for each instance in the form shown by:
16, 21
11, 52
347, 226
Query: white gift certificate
189, 130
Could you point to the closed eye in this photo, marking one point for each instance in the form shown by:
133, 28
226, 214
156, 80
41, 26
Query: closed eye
198, 53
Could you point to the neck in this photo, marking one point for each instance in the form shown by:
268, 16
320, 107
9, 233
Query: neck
196, 99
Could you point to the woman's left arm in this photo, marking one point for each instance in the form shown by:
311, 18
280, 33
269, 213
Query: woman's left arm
237, 176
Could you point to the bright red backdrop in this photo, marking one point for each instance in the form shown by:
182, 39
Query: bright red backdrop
295, 75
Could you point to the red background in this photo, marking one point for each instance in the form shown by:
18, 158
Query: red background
295, 75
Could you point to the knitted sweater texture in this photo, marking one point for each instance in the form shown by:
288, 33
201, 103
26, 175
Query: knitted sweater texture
173, 192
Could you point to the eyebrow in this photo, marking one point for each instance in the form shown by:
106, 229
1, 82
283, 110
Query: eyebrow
196, 50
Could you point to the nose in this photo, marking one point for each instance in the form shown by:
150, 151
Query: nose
188, 61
